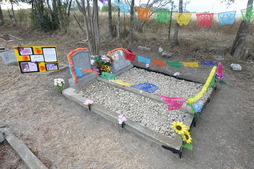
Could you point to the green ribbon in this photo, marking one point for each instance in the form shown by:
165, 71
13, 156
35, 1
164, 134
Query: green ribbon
174, 64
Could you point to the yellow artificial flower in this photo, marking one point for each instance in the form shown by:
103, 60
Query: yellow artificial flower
105, 68
179, 127
187, 137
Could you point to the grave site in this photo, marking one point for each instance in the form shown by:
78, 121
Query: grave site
75, 97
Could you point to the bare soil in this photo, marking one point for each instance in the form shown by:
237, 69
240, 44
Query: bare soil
63, 134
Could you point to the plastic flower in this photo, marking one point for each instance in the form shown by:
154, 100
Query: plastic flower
187, 137
59, 83
88, 102
121, 119
179, 127
147, 65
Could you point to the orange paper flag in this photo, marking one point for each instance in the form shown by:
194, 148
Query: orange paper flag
143, 13
159, 62
89, 71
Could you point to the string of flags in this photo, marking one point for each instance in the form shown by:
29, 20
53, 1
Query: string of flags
204, 19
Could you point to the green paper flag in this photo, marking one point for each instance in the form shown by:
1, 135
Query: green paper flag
188, 146
163, 16
212, 82
106, 75
248, 14
174, 64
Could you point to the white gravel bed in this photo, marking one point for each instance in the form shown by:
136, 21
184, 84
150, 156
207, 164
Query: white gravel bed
150, 113
168, 86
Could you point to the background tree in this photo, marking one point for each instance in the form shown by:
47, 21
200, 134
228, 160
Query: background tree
1, 16
175, 38
237, 49
91, 23
132, 21
110, 24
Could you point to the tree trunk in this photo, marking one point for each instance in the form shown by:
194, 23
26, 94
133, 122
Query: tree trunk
12, 12
110, 25
59, 14
119, 24
170, 21
1, 17
132, 21
175, 38
237, 49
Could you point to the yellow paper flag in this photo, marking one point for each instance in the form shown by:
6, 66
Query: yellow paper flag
121, 82
183, 18
190, 64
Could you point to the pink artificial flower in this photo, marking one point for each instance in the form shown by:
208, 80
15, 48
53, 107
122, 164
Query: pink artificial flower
113, 58
121, 119
219, 73
88, 102
147, 65
107, 59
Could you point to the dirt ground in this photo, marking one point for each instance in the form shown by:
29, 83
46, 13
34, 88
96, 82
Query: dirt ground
63, 134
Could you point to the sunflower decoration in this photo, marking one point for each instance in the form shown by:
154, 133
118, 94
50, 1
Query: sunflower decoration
105, 68
187, 137
179, 127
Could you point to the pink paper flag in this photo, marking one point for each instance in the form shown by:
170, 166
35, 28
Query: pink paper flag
174, 103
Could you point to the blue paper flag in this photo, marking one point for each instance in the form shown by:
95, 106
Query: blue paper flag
144, 59
209, 63
227, 17
123, 7
77, 70
147, 87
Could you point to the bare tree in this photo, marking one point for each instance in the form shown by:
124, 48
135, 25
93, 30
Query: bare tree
118, 23
110, 24
1, 17
237, 49
132, 21
175, 38
91, 21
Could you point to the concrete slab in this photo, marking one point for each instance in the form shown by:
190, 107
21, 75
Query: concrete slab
29, 159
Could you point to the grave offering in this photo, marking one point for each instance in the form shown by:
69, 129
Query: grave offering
36, 58
80, 59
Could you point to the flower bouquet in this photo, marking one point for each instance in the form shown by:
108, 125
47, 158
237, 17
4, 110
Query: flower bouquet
102, 63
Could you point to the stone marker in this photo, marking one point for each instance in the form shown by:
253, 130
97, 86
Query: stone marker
1, 137
120, 65
9, 57
81, 59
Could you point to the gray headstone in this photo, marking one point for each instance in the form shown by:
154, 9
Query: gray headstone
81, 59
120, 65
1, 137
9, 57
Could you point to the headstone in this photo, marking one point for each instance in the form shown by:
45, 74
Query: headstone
81, 59
1, 137
9, 57
120, 65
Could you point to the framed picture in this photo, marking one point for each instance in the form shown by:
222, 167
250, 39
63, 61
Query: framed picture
52, 66
27, 67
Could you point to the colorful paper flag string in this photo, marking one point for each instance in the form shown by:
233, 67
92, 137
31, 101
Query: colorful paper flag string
174, 64
204, 19
162, 16
129, 55
103, 1
106, 75
121, 82
174, 103
190, 64
183, 18
147, 87
248, 14
159, 62
77, 71
144, 59
125, 8
143, 13
208, 63
227, 17
89, 70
